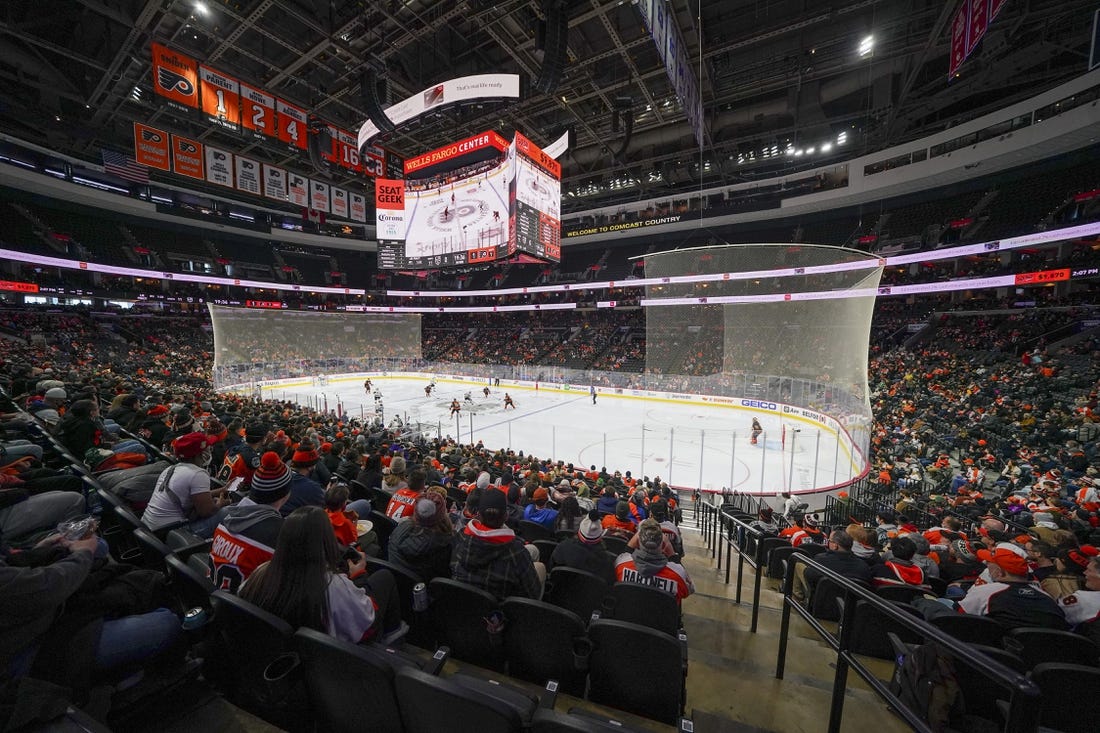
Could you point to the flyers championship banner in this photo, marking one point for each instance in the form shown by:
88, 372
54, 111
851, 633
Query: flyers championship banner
151, 147
257, 112
248, 174
219, 167
291, 124
175, 77
187, 157
979, 22
298, 188
231, 104
318, 198
958, 39
274, 183
358, 207
340, 202
221, 98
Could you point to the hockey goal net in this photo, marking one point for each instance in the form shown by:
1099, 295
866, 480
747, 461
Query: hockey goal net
490, 237
791, 438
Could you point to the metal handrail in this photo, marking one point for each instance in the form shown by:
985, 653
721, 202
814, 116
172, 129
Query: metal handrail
1023, 712
723, 531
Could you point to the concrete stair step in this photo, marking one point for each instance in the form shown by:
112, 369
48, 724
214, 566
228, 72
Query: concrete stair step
731, 678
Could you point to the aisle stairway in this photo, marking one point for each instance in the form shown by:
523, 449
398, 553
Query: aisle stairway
731, 678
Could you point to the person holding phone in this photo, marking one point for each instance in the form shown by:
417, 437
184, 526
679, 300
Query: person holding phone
311, 581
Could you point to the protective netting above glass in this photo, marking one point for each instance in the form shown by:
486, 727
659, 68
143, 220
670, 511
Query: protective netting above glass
255, 344
811, 353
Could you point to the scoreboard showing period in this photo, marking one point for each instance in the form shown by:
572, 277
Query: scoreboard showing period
505, 200
536, 191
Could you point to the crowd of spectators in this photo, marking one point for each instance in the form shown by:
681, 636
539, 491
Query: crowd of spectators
962, 426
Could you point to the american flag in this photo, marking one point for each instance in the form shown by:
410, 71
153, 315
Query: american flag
124, 167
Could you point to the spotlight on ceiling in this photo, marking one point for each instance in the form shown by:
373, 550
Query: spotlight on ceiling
866, 46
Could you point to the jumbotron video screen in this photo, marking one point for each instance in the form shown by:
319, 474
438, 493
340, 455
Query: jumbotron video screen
473, 202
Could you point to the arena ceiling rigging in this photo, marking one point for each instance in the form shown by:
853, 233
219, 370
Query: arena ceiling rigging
774, 75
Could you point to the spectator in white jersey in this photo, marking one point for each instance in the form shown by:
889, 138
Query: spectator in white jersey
182, 494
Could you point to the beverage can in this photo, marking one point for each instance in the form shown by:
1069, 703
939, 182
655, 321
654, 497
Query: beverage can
420, 597
195, 618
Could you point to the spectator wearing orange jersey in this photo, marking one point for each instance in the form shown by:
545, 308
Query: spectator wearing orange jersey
648, 565
403, 503
619, 523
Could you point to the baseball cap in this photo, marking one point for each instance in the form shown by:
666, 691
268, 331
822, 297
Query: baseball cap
192, 444
650, 535
493, 501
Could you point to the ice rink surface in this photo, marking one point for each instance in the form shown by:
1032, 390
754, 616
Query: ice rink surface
687, 445
458, 216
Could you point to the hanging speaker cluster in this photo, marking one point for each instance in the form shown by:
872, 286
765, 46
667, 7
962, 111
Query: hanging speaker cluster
622, 112
373, 91
320, 139
555, 40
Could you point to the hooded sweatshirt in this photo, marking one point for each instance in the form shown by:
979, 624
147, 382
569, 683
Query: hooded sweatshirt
421, 550
651, 567
494, 560
243, 541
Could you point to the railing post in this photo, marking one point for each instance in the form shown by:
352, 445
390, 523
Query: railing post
785, 621
840, 679
729, 551
717, 532
740, 572
756, 587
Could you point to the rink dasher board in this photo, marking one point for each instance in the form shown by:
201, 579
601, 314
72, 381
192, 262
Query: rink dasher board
783, 411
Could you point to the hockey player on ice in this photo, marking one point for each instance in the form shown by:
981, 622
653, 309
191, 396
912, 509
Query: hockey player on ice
455, 407
485, 391
508, 401
756, 431
469, 400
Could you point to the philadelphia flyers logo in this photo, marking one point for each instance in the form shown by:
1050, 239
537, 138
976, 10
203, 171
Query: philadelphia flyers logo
186, 147
150, 136
173, 82
219, 156
247, 165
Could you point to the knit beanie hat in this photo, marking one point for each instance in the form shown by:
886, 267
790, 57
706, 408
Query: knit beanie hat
397, 465
430, 508
305, 456
483, 480
271, 481
622, 511
590, 531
